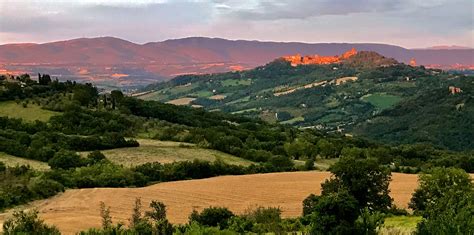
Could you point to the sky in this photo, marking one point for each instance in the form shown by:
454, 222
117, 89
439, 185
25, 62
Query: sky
408, 23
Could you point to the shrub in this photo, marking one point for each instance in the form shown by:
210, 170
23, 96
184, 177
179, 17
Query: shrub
27, 223
65, 160
3, 167
45, 187
335, 213
451, 214
95, 157
212, 216
438, 183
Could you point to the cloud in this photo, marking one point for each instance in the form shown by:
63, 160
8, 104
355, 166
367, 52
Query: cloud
410, 23
302, 9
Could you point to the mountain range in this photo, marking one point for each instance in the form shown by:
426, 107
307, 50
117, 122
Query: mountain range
109, 61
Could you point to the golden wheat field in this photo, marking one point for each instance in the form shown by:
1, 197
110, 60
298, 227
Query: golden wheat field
78, 209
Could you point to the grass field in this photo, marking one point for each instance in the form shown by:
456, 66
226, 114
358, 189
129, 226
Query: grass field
157, 96
13, 161
245, 111
381, 100
400, 225
78, 209
293, 120
321, 164
167, 152
181, 101
236, 82
202, 94
31, 113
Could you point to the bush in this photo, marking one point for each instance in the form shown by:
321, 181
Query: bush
212, 216
3, 167
65, 160
436, 184
281, 163
27, 223
264, 215
45, 188
335, 213
309, 164
151, 170
95, 157
451, 214
265, 220
105, 174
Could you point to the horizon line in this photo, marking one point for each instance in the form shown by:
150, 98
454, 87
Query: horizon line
433, 47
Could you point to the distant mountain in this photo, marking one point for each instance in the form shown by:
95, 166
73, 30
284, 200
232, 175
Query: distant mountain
444, 47
112, 61
356, 93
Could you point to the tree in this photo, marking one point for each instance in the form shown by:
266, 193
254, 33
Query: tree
158, 215
105, 215
281, 162
85, 94
309, 164
436, 184
364, 179
117, 97
299, 148
95, 157
44, 79
65, 160
212, 216
326, 149
136, 213
309, 204
368, 222
27, 223
334, 213
158, 211
453, 213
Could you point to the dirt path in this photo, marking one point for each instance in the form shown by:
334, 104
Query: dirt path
78, 209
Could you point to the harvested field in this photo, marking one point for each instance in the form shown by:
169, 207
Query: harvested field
181, 101
217, 97
78, 209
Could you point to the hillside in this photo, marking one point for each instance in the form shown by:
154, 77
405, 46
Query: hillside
356, 93
111, 62
438, 115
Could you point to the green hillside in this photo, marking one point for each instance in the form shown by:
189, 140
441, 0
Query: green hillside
28, 112
432, 116
342, 97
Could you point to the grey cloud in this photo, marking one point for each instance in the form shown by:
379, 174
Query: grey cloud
302, 9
